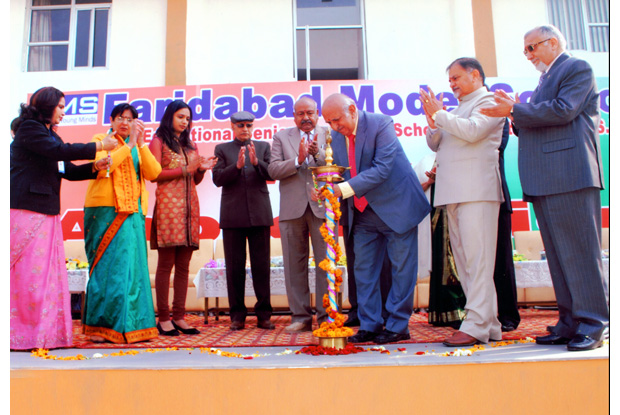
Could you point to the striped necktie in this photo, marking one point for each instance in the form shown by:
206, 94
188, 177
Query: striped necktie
542, 78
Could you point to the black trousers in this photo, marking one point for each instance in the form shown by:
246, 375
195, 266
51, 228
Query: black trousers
258, 239
504, 276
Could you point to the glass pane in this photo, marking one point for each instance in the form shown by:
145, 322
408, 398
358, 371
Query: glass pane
301, 55
101, 37
48, 58
600, 38
50, 25
92, 1
334, 54
82, 38
50, 2
328, 13
598, 11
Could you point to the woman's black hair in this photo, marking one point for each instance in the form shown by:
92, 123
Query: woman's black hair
166, 132
121, 108
42, 105
15, 125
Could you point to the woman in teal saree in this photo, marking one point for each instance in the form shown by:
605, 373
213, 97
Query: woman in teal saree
119, 304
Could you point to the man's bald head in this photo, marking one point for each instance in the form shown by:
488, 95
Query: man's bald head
340, 112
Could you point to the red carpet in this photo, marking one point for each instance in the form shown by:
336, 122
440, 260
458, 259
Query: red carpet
217, 334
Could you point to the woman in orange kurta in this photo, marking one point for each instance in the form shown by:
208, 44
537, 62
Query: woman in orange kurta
176, 218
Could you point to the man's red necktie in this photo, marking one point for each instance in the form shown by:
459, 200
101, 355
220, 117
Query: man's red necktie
359, 202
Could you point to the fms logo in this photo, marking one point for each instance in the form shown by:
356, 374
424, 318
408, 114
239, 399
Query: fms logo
81, 109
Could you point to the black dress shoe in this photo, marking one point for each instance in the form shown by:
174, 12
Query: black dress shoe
552, 339
352, 323
391, 337
363, 336
265, 324
237, 325
582, 342
173, 332
508, 327
190, 330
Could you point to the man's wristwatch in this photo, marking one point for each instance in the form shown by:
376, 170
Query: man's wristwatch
434, 115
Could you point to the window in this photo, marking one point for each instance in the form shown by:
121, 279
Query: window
67, 34
330, 40
584, 23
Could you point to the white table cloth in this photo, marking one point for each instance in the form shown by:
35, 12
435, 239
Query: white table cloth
211, 282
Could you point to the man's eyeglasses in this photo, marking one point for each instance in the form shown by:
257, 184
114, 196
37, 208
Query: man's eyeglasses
247, 124
531, 48
124, 119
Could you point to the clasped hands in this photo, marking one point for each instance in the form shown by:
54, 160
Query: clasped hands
503, 107
305, 149
430, 105
251, 152
200, 163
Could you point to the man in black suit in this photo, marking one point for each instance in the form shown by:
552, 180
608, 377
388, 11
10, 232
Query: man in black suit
245, 213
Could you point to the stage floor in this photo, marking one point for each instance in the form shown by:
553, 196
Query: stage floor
278, 357
546, 379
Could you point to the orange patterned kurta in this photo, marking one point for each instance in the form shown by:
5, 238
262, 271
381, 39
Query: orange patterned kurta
176, 217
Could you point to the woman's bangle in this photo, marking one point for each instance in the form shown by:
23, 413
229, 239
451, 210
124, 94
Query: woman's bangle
98, 145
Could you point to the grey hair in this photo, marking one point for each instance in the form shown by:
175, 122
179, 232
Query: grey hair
550, 31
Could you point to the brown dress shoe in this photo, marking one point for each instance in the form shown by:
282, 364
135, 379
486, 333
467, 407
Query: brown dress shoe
237, 325
460, 339
265, 324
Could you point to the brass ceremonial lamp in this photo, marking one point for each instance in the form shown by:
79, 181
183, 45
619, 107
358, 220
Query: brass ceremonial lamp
329, 174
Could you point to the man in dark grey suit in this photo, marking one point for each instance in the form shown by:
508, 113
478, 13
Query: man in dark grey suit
294, 151
245, 213
561, 175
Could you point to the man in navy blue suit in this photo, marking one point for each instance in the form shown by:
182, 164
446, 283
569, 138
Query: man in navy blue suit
561, 175
388, 203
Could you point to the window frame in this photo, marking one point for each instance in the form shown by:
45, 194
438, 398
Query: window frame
583, 18
307, 30
71, 42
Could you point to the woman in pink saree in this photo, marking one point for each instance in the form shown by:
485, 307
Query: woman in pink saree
40, 301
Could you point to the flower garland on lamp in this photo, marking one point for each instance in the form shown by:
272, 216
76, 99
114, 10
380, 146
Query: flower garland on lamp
334, 327
331, 333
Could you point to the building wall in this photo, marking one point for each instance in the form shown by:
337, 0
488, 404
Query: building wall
418, 38
136, 53
252, 41
239, 41
511, 20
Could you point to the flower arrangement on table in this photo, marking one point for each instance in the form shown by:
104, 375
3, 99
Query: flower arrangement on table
211, 264
516, 257
276, 262
336, 327
74, 263
215, 263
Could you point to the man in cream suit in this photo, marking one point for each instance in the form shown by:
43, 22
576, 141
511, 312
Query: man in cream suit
561, 175
468, 183
293, 152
